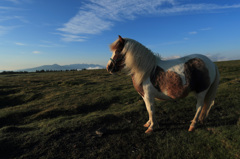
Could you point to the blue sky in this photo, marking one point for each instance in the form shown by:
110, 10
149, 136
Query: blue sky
41, 32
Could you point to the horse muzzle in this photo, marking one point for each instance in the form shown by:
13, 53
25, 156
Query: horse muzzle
111, 68
115, 65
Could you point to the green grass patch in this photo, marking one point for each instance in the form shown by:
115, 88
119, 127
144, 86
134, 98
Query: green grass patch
57, 114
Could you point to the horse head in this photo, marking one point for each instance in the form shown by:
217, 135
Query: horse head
117, 61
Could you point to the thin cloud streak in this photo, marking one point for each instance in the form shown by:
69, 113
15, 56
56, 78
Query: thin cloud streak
8, 18
19, 1
98, 16
6, 29
71, 37
20, 44
218, 57
206, 29
192, 32
3, 8
214, 57
13, 1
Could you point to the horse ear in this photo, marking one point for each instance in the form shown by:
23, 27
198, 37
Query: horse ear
120, 39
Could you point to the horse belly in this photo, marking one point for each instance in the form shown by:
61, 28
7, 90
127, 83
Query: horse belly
162, 96
138, 88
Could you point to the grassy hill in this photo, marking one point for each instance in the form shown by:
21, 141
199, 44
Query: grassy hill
92, 114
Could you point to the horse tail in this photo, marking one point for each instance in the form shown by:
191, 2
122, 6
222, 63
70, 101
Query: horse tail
210, 96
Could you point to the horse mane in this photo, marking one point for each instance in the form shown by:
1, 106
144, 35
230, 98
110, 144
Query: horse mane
139, 60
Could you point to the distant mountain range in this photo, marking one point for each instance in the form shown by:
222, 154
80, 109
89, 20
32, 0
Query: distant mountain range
64, 67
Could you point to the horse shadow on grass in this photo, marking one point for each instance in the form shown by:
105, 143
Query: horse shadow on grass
173, 121
215, 119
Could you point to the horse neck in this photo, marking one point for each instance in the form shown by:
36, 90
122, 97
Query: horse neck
140, 67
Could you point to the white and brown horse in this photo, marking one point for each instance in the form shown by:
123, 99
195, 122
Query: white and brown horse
166, 79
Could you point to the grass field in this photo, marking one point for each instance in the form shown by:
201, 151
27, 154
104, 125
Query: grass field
92, 114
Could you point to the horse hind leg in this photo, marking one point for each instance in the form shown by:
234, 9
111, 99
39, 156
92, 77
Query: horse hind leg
208, 103
209, 98
205, 110
199, 106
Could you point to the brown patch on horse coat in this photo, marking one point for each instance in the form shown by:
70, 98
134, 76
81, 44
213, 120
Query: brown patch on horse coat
170, 83
175, 88
197, 75
139, 88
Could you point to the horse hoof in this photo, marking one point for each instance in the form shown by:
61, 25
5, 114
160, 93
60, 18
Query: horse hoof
146, 125
149, 131
191, 128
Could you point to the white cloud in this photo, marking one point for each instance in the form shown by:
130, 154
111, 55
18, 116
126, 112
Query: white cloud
213, 57
6, 8
19, 1
11, 18
94, 68
171, 57
195, 7
97, 16
42, 44
3, 30
6, 29
5, 18
87, 23
13, 1
71, 37
36, 52
20, 44
206, 29
218, 57
192, 32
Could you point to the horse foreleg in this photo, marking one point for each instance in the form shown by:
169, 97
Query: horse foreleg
151, 123
147, 124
